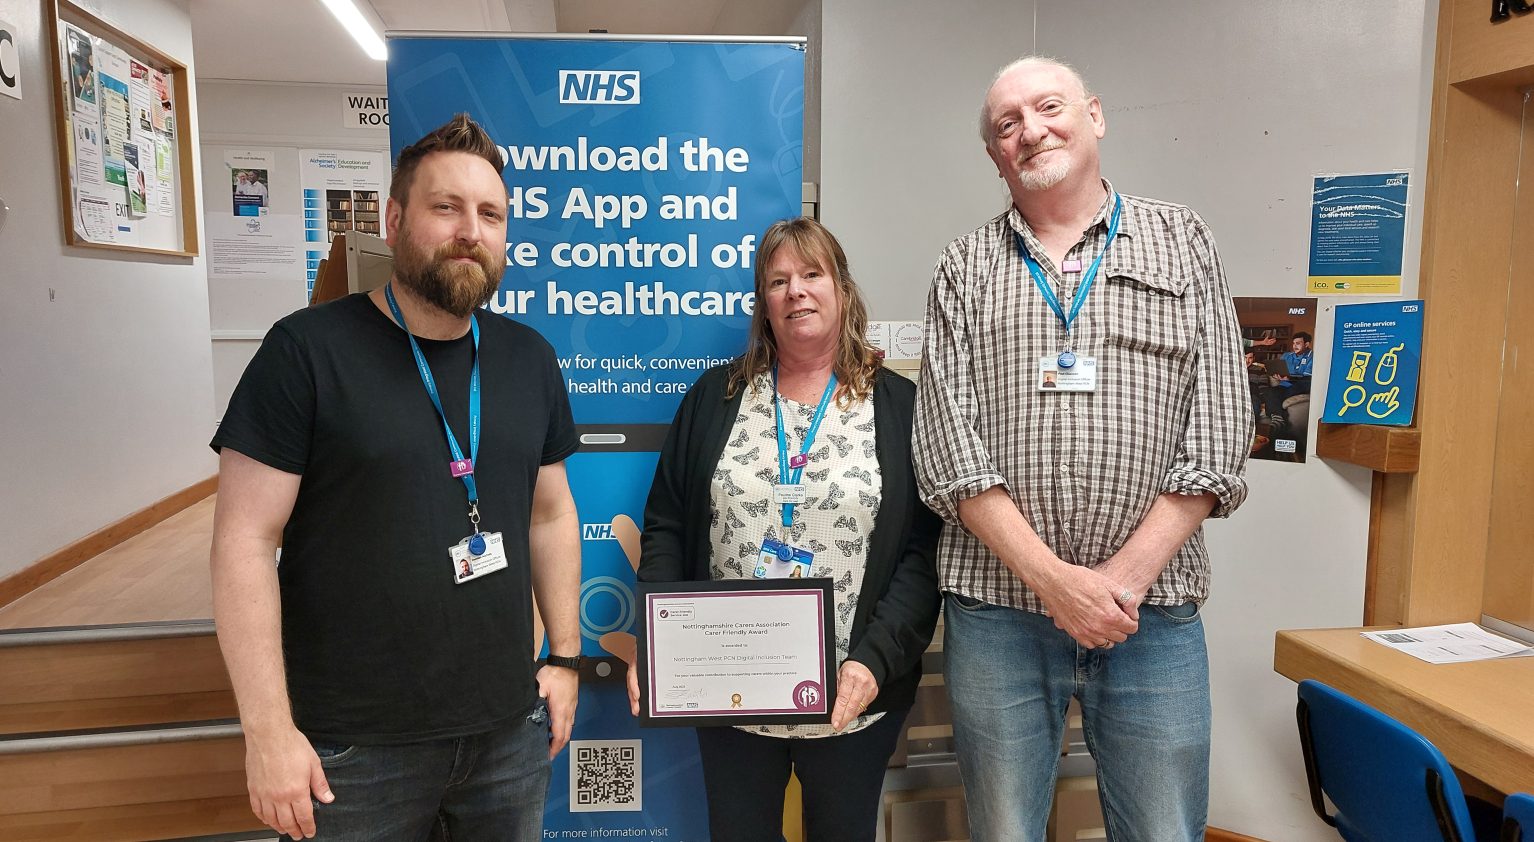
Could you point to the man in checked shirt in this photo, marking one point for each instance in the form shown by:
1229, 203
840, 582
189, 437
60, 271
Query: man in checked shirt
1072, 558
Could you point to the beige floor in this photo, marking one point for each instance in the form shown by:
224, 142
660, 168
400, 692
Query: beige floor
159, 574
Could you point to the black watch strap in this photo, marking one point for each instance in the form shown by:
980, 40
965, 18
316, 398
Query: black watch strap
573, 663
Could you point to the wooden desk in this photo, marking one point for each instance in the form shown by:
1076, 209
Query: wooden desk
1480, 715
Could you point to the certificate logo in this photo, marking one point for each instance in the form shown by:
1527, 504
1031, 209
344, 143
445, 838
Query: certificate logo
808, 696
599, 87
675, 612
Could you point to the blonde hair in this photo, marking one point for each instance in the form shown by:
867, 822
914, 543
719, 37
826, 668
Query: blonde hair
857, 362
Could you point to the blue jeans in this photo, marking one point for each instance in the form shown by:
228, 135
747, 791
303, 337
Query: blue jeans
487, 786
1145, 714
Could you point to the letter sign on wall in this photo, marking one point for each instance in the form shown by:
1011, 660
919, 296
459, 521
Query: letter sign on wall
365, 111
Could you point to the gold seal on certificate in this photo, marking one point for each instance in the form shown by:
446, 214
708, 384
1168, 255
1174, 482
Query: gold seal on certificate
736, 652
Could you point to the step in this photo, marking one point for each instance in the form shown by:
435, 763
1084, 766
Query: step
126, 784
91, 677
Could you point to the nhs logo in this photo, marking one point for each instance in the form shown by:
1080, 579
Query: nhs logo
599, 87
597, 532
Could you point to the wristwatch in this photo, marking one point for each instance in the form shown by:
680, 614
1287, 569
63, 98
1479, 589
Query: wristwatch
573, 663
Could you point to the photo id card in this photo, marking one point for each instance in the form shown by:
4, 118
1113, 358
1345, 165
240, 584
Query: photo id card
1081, 377
467, 566
778, 560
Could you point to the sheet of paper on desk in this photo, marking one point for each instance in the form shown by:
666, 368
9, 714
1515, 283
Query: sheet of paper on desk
1451, 644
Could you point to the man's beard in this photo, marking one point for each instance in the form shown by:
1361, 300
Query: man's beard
1046, 176
454, 288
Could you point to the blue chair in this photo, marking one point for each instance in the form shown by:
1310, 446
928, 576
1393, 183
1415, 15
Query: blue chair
1388, 783
1518, 820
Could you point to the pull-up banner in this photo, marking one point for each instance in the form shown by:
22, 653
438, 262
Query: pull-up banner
640, 174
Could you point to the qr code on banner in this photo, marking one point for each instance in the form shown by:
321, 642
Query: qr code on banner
605, 776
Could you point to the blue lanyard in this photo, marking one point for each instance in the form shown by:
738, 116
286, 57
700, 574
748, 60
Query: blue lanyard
436, 401
1042, 282
792, 476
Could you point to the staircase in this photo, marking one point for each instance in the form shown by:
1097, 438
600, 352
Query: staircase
120, 733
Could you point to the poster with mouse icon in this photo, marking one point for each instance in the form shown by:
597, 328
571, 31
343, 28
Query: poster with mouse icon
1375, 358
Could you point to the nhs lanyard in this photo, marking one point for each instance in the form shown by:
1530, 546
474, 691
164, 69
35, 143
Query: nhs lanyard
791, 469
462, 468
1042, 282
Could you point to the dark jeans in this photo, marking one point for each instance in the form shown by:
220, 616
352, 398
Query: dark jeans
745, 776
485, 787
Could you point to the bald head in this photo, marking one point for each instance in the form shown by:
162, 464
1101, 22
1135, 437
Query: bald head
987, 129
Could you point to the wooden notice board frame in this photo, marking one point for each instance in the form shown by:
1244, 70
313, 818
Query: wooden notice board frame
183, 177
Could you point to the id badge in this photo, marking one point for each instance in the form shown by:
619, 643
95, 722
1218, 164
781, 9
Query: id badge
467, 566
788, 493
778, 560
1081, 377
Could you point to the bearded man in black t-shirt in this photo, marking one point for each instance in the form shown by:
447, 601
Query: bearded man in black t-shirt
386, 442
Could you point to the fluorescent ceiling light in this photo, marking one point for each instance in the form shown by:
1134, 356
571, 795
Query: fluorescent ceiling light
346, 12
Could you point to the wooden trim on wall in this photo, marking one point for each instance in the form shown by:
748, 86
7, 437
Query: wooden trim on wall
1428, 541
1215, 834
56, 564
1389, 530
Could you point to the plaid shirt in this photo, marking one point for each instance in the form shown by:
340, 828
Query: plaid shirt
1171, 413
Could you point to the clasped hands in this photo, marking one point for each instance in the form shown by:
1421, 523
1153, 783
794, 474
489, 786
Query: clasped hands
1094, 606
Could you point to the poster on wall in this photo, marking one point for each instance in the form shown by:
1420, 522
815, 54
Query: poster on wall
1278, 337
252, 220
1377, 354
640, 175
116, 130
1358, 233
90, 172
141, 101
137, 203
10, 60
163, 120
250, 174
344, 190
80, 64
164, 176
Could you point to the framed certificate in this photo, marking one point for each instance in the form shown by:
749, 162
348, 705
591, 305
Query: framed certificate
736, 652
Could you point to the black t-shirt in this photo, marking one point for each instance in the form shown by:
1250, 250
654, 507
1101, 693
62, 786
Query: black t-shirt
381, 642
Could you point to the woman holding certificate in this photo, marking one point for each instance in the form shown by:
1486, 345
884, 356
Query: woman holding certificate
794, 461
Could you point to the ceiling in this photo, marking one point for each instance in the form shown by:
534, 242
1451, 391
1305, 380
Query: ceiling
300, 41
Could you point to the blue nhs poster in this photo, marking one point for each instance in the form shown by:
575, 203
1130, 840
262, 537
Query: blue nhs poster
1376, 354
639, 174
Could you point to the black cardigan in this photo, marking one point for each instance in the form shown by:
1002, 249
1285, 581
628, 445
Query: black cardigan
898, 607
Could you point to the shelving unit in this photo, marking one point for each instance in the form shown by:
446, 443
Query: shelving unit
365, 211
338, 212
352, 210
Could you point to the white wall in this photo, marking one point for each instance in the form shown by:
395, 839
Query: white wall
1229, 108
106, 395
282, 117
